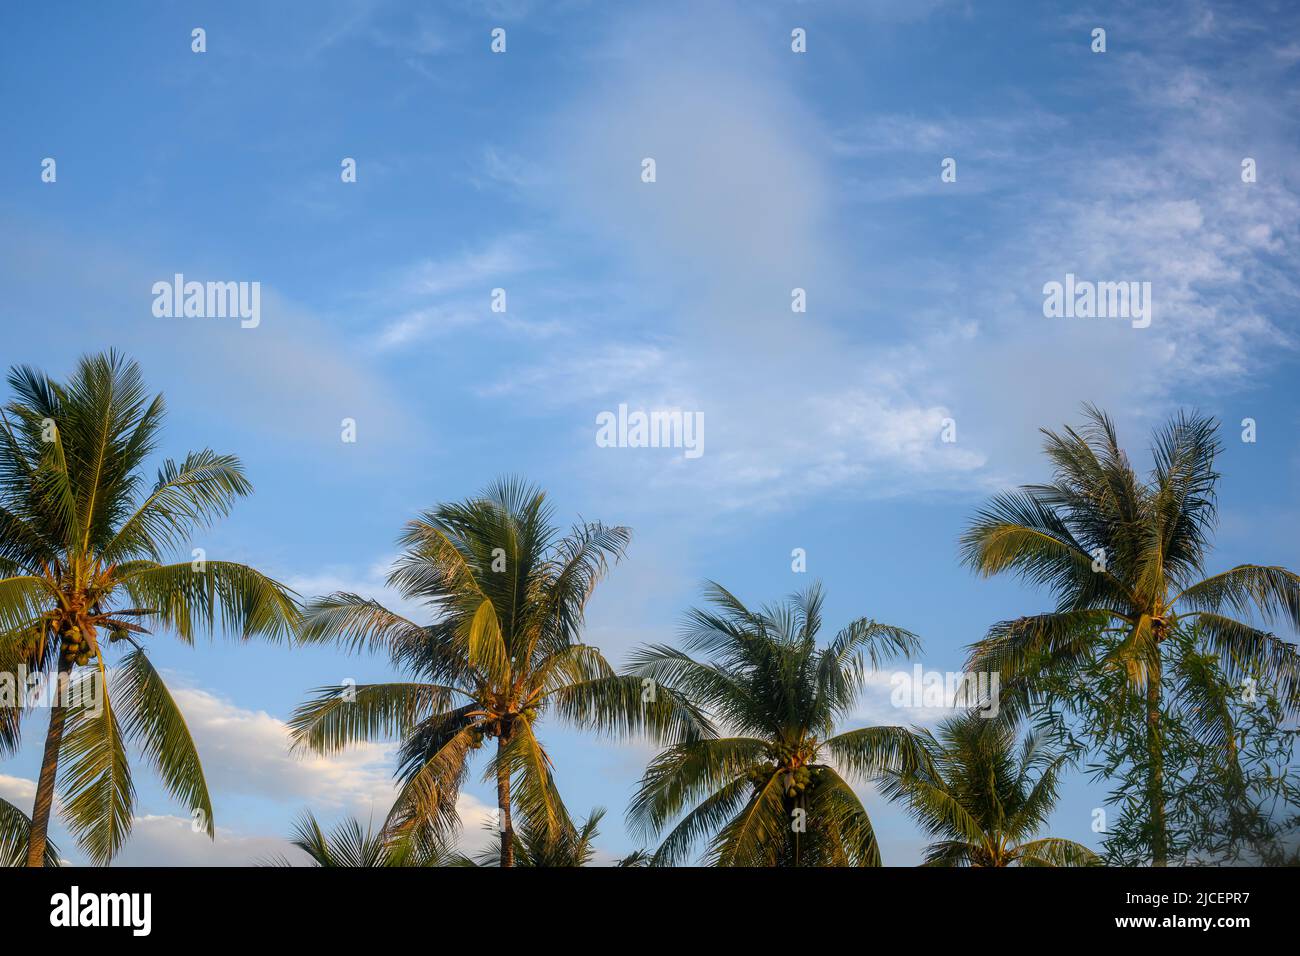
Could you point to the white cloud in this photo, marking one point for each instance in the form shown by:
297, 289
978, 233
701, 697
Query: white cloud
437, 296
19, 791
503, 256
419, 322
989, 137
248, 752
161, 840
509, 169
594, 373
741, 213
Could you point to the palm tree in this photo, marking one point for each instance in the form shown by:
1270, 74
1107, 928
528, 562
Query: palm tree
986, 804
1125, 559
768, 792
508, 593
83, 538
349, 845
537, 846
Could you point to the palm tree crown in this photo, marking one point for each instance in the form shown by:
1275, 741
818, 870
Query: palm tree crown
768, 792
351, 846
1125, 558
83, 540
508, 593
984, 801
537, 846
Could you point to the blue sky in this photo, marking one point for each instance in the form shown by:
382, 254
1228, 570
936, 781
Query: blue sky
522, 171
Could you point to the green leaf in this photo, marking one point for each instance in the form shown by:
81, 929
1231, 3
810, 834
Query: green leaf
98, 795
343, 715
155, 723
215, 595
15, 830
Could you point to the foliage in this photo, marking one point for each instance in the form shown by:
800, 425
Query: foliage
984, 802
350, 845
1125, 559
508, 594
539, 847
771, 791
84, 538
15, 829
1232, 794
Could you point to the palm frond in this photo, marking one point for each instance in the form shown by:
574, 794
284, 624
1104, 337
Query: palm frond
98, 794
348, 714
154, 722
1053, 851
203, 597
15, 826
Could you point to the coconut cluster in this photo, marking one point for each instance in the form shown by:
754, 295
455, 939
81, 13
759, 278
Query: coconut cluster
791, 762
77, 648
493, 728
802, 779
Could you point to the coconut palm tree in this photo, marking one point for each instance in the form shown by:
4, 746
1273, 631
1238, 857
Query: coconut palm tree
83, 540
352, 846
769, 791
984, 801
507, 593
1125, 559
537, 846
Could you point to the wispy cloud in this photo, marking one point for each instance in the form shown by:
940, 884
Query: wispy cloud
440, 295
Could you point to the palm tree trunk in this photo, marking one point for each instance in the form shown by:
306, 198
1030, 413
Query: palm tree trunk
1156, 782
503, 805
36, 839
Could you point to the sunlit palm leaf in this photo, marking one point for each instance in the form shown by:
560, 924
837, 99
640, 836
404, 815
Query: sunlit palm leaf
873, 751
98, 795
358, 623
185, 497
209, 596
349, 714
532, 780
152, 721
756, 835
690, 772
624, 706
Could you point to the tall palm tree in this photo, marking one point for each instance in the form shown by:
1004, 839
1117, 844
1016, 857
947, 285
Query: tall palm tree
1125, 558
986, 802
83, 538
768, 792
508, 594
